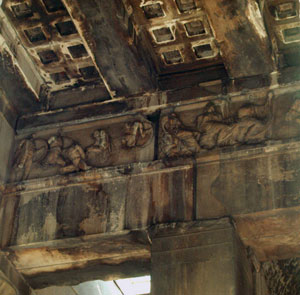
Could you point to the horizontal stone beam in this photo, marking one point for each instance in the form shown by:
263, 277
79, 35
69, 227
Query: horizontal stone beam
262, 189
240, 32
272, 234
120, 65
75, 260
238, 89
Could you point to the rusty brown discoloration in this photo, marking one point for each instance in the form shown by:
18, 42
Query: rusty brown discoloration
109, 38
272, 234
13, 278
241, 36
169, 196
47, 37
69, 260
10, 207
262, 197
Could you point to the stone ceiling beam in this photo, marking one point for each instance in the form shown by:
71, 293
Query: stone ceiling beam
100, 23
75, 260
257, 87
240, 32
23, 86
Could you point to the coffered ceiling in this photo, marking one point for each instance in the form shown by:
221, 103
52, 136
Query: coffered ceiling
283, 24
50, 38
176, 34
61, 53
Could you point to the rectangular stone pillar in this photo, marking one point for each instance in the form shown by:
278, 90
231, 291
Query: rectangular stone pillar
6, 147
199, 258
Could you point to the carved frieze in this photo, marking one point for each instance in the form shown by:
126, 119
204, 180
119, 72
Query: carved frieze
28, 152
221, 125
184, 131
251, 124
63, 152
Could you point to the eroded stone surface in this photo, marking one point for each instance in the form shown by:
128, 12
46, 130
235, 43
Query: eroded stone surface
283, 276
83, 147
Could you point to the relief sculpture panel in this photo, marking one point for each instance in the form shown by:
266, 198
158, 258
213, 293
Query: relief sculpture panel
222, 124
183, 131
81, 149
137, 134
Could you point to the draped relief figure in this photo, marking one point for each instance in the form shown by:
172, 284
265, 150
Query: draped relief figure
250, 124
67, 154
57, 151
76, 158
29, 151
177, 139
54, 155
137, 134
99, 153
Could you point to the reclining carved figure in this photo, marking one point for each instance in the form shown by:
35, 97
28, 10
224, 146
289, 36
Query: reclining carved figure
251, 124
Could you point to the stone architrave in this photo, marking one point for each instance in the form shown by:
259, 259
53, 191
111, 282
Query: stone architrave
204, 257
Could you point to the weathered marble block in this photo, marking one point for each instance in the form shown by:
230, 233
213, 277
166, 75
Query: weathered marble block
82, 147
220, 124
97, 201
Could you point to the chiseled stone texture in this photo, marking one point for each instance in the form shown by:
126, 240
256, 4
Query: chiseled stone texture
283, 276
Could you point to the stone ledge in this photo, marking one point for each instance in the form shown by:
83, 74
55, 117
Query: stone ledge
102, 175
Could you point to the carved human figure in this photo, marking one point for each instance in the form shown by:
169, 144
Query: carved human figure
176, 138
98, 153
137, 134
251, 125
24, 158
28, 152
75, 155
54, 156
